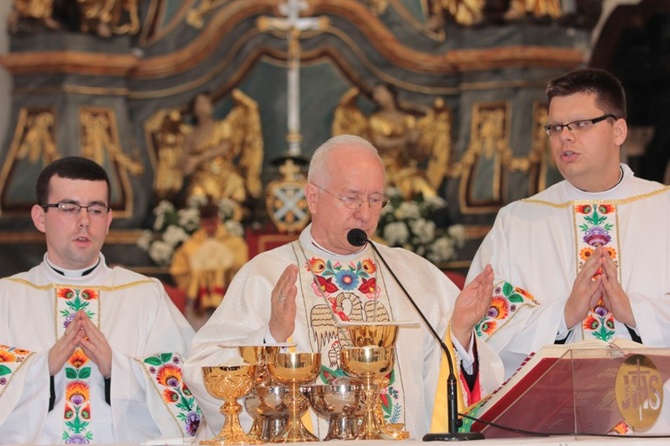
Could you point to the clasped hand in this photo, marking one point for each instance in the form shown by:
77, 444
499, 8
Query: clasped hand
81, 332
598, 279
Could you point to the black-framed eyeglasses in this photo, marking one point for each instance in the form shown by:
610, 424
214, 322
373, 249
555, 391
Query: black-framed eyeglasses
582, 124
375, 202
68, 208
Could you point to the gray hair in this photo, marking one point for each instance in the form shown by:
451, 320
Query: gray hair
318, 166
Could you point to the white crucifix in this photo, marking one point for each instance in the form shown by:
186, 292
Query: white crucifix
293, 25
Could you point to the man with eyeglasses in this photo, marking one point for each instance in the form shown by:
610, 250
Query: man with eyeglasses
588, 257
88, 353
296, 293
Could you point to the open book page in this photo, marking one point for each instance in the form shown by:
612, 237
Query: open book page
564, 389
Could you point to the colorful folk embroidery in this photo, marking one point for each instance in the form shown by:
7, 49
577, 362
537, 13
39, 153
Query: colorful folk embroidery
596, 226
77, 413
167, 374
506, 302
11, 359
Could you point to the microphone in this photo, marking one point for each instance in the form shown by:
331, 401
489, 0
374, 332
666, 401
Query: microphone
358, 237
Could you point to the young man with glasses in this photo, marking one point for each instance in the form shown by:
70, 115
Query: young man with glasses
296, 293
88, 353
589, 255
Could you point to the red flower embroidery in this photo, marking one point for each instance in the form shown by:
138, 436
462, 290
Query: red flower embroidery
327, 284
88, 294
606, 208
590, 323
583, 208
368, 286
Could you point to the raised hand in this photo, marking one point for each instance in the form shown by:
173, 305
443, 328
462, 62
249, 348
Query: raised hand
282, 300
471, 305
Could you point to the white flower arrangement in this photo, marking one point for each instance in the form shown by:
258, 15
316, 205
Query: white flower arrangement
173, 226
409, 224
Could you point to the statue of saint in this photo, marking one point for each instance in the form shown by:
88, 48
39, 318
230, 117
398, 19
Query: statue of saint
27, 13
415, 149
108, 17
224, 157
169, 139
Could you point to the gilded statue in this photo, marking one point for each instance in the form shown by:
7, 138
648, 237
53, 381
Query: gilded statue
108, 17
169, 138
463, 12
415, 149
38, 141
536, 8
224, 157
31, 12
100, 138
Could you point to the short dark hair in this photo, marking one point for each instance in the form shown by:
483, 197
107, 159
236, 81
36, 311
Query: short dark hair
610, 94
74, 168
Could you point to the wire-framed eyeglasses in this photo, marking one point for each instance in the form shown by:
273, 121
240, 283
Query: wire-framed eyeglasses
374, 201
69, 208
580, 125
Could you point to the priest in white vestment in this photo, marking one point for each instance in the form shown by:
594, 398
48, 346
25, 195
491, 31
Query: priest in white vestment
88, 353
588, 258
298, 292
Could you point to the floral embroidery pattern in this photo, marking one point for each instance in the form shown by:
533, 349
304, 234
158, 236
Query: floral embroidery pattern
77, 411
75, 300
166, 371
596, 225
11, 359
507, 300
599, 322
333, 277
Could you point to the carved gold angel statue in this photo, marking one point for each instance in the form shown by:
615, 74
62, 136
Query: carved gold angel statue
223, 158
415, 150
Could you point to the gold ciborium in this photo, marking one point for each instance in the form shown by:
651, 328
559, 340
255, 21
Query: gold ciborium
342, 405
230, 383
265, 404
295, 370
368, 364
258, 354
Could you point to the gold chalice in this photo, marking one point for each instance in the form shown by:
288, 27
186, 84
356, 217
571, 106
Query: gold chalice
368, 364
230, 383
342, 406
373, 334
295, 370
380, 334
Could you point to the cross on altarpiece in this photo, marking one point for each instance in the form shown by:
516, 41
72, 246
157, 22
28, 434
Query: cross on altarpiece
293, 25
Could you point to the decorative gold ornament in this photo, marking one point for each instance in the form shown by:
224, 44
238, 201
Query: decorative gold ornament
639, 392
